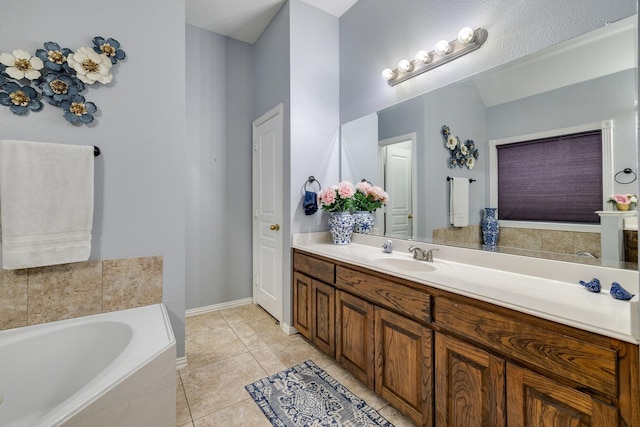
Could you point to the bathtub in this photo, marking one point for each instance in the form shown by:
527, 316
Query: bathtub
112, 369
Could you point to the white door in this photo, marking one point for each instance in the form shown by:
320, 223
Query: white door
267, 212
398, 183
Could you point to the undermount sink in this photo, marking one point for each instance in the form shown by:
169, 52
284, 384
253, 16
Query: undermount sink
404, 264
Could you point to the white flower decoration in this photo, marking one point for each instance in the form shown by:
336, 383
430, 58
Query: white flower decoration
21, 65
471, 162
464, 150
91, 67
452, 142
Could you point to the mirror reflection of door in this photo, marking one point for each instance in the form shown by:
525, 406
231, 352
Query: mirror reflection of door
396, 172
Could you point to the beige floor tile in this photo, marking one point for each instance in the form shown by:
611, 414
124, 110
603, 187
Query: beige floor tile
289, 352
396, 418
203, 323
183, 415
213, 347
242, 414
218, 385
245, 313
355, 386
259, 334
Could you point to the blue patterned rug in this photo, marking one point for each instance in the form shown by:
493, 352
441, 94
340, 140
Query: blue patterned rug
305, 395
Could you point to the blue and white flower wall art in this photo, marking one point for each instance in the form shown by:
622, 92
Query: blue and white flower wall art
58, 76
461, 154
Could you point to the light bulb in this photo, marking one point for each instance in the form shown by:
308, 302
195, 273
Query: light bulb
422, 56
388, 74
466, 35
442, 47
404, 65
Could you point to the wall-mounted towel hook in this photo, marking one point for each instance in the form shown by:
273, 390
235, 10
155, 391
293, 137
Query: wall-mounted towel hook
312, 180
470, 179
96, 151
626, 171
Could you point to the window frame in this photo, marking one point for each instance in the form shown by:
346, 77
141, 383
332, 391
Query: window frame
606, 127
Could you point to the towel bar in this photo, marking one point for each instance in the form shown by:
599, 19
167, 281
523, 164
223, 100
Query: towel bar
470, 179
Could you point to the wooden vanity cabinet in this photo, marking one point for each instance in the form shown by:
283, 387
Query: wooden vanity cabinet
314, 301
469, 385
451, 361
403, 365
535, 400
354, 336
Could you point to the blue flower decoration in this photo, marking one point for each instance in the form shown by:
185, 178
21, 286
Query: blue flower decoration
60, 87
54, 57
110, 47
77, 110
19, 99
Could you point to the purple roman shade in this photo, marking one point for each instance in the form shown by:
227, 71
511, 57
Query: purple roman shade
557, 179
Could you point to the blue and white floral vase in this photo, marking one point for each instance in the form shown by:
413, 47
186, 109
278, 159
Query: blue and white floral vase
341, 227
490, 228
364, 222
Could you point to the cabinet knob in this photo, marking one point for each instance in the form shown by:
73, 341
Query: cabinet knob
274, 227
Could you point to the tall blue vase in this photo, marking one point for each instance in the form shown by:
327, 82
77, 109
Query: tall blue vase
490, 228
341, 227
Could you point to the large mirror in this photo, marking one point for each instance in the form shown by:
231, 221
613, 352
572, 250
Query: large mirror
592, 78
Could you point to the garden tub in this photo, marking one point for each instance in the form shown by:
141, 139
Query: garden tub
106, 369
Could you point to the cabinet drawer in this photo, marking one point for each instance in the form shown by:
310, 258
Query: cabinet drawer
570, 357
385, 293
314, 267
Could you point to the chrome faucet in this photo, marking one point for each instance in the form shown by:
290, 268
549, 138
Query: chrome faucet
421, 254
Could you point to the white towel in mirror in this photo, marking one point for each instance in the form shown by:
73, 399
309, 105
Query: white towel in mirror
459, 202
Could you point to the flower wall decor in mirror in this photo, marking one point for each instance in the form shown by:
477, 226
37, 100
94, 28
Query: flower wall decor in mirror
461, 154
58, 76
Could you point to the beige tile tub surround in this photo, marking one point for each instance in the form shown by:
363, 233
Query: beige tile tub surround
550, 244
46, 294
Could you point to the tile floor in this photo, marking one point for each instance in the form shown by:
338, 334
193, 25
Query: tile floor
231, 348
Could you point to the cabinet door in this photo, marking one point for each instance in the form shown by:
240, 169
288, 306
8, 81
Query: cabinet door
302, 304
470, 385
323, 322
354, 336
535, 400
404, 365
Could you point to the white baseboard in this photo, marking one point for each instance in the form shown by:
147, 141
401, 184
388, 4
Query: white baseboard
288, 329
181, 362
218, 307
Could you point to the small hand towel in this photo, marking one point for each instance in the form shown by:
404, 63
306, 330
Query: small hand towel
459, 202
46, 203
310, 203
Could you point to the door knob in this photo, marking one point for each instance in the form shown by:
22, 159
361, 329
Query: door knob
274, 227
410, 216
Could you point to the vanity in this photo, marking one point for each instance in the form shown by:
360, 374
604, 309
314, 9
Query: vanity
472, 339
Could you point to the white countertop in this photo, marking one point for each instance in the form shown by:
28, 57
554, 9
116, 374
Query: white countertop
544, 288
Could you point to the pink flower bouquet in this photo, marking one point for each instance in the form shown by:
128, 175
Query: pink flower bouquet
369, 197
623, 201
337, 198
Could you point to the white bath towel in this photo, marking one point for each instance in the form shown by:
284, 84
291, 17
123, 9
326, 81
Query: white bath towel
459, 202
46, 203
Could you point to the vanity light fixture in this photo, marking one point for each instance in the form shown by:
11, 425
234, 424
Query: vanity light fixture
468, 40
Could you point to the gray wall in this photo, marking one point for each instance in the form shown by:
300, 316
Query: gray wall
376, 34
219, 114
140, 126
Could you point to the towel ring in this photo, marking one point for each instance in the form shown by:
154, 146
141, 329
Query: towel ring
311, 180
626, 171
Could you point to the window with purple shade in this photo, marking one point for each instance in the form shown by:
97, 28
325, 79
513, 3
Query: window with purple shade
555, 179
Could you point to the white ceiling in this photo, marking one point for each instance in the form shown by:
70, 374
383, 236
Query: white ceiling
245, 20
